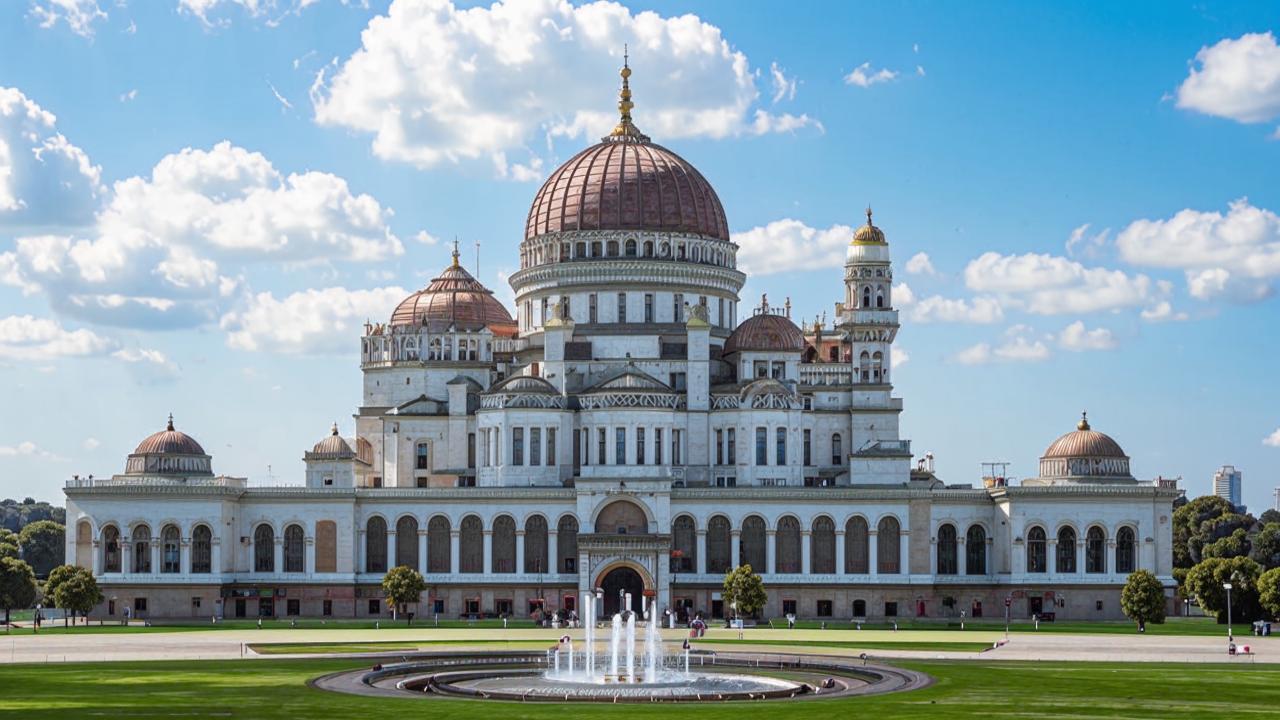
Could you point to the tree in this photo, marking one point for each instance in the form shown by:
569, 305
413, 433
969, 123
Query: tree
1271, 515
73, 589
1191, 533
17, 586
1234, 545
1204, 582
1269, 592
403, 585
1142, 598
744, 591
9, 547
1266, 545
44, 545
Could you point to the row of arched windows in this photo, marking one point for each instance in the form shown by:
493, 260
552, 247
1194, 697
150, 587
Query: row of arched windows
169, 544
1095, 551
788, 545
707, 253
471, 545
975, 546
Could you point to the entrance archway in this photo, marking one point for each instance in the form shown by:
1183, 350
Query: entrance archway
622, 580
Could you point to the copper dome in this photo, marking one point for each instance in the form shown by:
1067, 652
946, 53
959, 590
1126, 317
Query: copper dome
333, 446
169, 442
455, 298
868, 234
1084, 442
766, 331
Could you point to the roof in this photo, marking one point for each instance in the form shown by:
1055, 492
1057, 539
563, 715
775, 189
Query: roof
455, 299
765, 331
169, 442
1084, 442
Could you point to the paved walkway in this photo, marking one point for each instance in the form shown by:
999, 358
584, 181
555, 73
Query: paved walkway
229, 644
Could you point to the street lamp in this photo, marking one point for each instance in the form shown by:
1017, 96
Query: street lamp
1227, 586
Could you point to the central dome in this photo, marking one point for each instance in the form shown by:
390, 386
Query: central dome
454, 299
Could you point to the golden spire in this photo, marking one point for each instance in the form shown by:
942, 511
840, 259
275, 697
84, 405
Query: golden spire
334, 431
625, 128
1084, 421
170, 426
455, 254
869, 216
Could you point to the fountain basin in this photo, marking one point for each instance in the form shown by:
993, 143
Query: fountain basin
531, 685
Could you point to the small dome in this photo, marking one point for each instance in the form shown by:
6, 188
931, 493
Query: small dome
333, 446
1083, 455
1084, 442
169, 442
766, 331
868, 234
455, 299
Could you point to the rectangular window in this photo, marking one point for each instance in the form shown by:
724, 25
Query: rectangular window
778, 371
517, 446
657, 446
639, 446
564, 307
678, 381
502, 607
762, 446
782, 447
762, 368
375, 606
720, 312
471, 450
437, 606
622, 307
619, 446
677, 307
601, 445
195, 605
789, 607
732, 443
675, 448
139, 605
591, 308
544, 317
535, 446
824, 608
293, 607
808, 447
648, 307
423, 456
719, 447
326, 608
551, 446
891, 609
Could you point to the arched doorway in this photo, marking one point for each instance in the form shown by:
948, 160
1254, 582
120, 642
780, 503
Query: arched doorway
618, 581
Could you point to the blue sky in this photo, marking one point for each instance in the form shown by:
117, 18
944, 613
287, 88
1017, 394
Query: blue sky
202, 200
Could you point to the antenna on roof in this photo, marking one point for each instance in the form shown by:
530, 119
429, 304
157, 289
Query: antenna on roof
477, 259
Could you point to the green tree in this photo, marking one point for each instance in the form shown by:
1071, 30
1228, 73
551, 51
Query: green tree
1271, 515
74, 590
1266, 545
1142, 598
44, 545
1189, 529
401, 586
1234, 545
17, 586
744, 590
1204, 583
1269, 592
9, 547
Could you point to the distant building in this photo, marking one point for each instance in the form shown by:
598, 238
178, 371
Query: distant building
1226, 484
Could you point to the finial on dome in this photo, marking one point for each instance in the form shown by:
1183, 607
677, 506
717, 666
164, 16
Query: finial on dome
455, 261
625, 128
334, 432
1084, 421
169, 427
868, 214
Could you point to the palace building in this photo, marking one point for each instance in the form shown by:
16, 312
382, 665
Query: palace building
630, 428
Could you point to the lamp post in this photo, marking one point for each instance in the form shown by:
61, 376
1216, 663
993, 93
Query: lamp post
1227, 586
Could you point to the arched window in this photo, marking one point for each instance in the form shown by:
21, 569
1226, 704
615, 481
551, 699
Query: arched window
535, 545
170, 550
947, 560
1066, 555
888, 556
719, 545
326, 550
975, 551
822, 546
1036, 560
595, 250
201, 549
504, 545
264, 549
856, 547
142, 549
787, 558
751, 544
860, 608
295, 548
622, 517
1126, 562
438, 551
684, 545
631, 248
407, 541
110, 549
666, 250
880, 296
877, 365
567, 545
1095, 550
866, 297
864, 366
471, 545
564, 251
581, 250
375, 545
648, 248
612, 248
695, 254
837, 450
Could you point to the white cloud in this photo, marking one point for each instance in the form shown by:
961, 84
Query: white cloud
784, 88
785, 245
1272, 440
155, 256
426, 238
1088, 243
214, 13
91, 444
148, 365
920, 71
938, 309
979, 354
27, 449
1161, 312
129, 96
902, 295
1236, 255
1052, 285
44, 179
312, 321
1076, 338
435, 84
1020, 349
79, 15
284, 102
1017, 345
898, 358
919, 264
23, 337
864, 76
1236, 78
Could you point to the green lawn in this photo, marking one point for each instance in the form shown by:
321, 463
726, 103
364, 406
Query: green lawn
1173, 626
56, 626
922, 645
277, 689
327, 648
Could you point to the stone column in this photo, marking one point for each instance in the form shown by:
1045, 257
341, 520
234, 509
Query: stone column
1051, 556
422, 551
770, 550
97, 558
361, 548
839, 552
215, 555
553, 553
735, 548
126, 557
488, 552
155, 555
904, 552
455, 564
702, 553
1080, 556
184, 556
391, 549
519, 551
873, 552
309, 556
278, 558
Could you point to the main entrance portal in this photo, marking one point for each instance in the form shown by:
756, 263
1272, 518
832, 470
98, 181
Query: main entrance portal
618, 581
